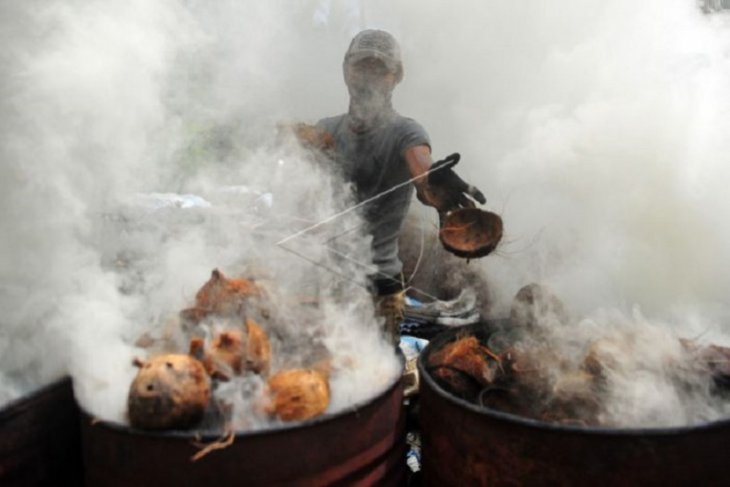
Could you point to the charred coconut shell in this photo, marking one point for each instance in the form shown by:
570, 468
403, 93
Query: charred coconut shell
470, 232
169, 392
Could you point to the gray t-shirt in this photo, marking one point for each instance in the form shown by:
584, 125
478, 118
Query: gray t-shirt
373, 160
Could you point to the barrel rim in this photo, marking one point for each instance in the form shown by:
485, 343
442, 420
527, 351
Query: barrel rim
285, 428
446, 336
19, 405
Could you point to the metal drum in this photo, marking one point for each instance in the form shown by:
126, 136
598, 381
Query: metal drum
39, 438
364, 445
465, 444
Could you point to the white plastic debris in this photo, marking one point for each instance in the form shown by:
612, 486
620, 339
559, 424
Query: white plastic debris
157, 201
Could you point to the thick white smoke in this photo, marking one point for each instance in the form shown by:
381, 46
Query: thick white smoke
83, 123
109, 108
595, 129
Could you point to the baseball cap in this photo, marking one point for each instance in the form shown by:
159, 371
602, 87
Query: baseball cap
378, 44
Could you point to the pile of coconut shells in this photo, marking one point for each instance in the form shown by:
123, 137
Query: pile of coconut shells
514, 366
178, 390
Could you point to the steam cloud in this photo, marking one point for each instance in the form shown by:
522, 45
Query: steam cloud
597, 132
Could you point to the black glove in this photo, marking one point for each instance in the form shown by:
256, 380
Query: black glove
445, 190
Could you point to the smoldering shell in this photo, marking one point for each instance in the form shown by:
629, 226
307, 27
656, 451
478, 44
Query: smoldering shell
169, 392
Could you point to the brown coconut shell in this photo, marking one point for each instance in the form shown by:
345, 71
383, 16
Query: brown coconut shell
464, 367
226, 354
169, 392
470, 232
222, 296
258, 349
234, 351
297, 394
603, 354
466, 355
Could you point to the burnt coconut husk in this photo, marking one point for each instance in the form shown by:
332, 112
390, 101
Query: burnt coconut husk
169, 392
470, 232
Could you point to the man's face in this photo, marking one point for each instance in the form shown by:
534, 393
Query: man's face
370, 73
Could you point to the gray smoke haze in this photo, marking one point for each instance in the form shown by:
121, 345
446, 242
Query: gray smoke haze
596, 131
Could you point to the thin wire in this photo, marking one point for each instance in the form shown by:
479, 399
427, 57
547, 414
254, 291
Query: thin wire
420, 252
362, 203
344, 233
375, 271
308, 229
369, 267
348, 278
319, 264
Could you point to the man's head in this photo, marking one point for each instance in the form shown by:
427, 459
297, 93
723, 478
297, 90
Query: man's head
375, 48
372, 67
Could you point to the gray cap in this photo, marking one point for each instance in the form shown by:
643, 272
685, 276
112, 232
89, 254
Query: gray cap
377, 44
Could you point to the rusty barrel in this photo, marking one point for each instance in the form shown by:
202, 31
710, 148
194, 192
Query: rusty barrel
39, 438
364, 445
465, 444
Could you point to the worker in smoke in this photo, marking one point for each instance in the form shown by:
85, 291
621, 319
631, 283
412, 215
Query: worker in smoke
377, 149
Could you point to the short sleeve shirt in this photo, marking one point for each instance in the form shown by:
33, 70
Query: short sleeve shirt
373, 160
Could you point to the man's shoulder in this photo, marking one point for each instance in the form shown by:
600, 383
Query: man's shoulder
331, 123
398, 119
407, 124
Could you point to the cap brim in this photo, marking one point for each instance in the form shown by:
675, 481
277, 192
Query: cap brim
358, 56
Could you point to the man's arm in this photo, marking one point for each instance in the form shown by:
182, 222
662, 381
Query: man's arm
419, 162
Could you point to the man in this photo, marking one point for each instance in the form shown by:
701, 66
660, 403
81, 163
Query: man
377, 149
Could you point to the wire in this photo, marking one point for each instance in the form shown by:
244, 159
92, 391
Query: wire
320, 223
374, 271
319, 264
362, 203
420, 251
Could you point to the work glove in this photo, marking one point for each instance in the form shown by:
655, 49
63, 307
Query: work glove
445, 190
392, 308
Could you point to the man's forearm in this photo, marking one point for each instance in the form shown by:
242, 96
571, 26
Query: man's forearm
419, 162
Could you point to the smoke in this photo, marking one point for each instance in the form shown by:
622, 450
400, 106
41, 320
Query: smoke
81, 108
596, 132
608, 183
616, 368
607, 163
113, 114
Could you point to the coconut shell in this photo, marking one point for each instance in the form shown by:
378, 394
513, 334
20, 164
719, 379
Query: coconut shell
470, 232
535, 306
234, 351
467, 356
711, 358
169, 392
604, 354
227, 351
297, 394
221, 296
258, 349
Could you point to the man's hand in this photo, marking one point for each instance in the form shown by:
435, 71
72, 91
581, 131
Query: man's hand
445, 190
